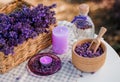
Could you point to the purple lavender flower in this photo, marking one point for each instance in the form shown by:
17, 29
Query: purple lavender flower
23, 24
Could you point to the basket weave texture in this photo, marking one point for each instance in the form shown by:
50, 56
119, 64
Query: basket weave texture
23, 51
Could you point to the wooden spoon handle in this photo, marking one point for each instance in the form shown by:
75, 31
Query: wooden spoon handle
96, 42
102, 32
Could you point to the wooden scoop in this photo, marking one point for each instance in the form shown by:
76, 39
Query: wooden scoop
96, 42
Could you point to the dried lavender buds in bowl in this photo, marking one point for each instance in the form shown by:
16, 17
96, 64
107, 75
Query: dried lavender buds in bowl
84, 59
83, 50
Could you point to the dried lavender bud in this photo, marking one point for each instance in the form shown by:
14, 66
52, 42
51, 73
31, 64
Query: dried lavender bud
83, 51
81, 22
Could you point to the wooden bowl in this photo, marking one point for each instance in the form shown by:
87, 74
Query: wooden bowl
88, 64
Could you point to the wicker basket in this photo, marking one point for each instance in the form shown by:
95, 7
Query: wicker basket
88, 64
23, 51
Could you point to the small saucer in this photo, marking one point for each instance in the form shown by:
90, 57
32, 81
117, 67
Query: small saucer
37, 68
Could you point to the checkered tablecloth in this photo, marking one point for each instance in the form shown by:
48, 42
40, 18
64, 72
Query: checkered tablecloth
68, 72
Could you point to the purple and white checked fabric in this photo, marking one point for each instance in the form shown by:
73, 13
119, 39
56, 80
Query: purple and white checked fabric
67, 73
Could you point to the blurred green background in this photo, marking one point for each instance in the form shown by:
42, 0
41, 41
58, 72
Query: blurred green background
103, 13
